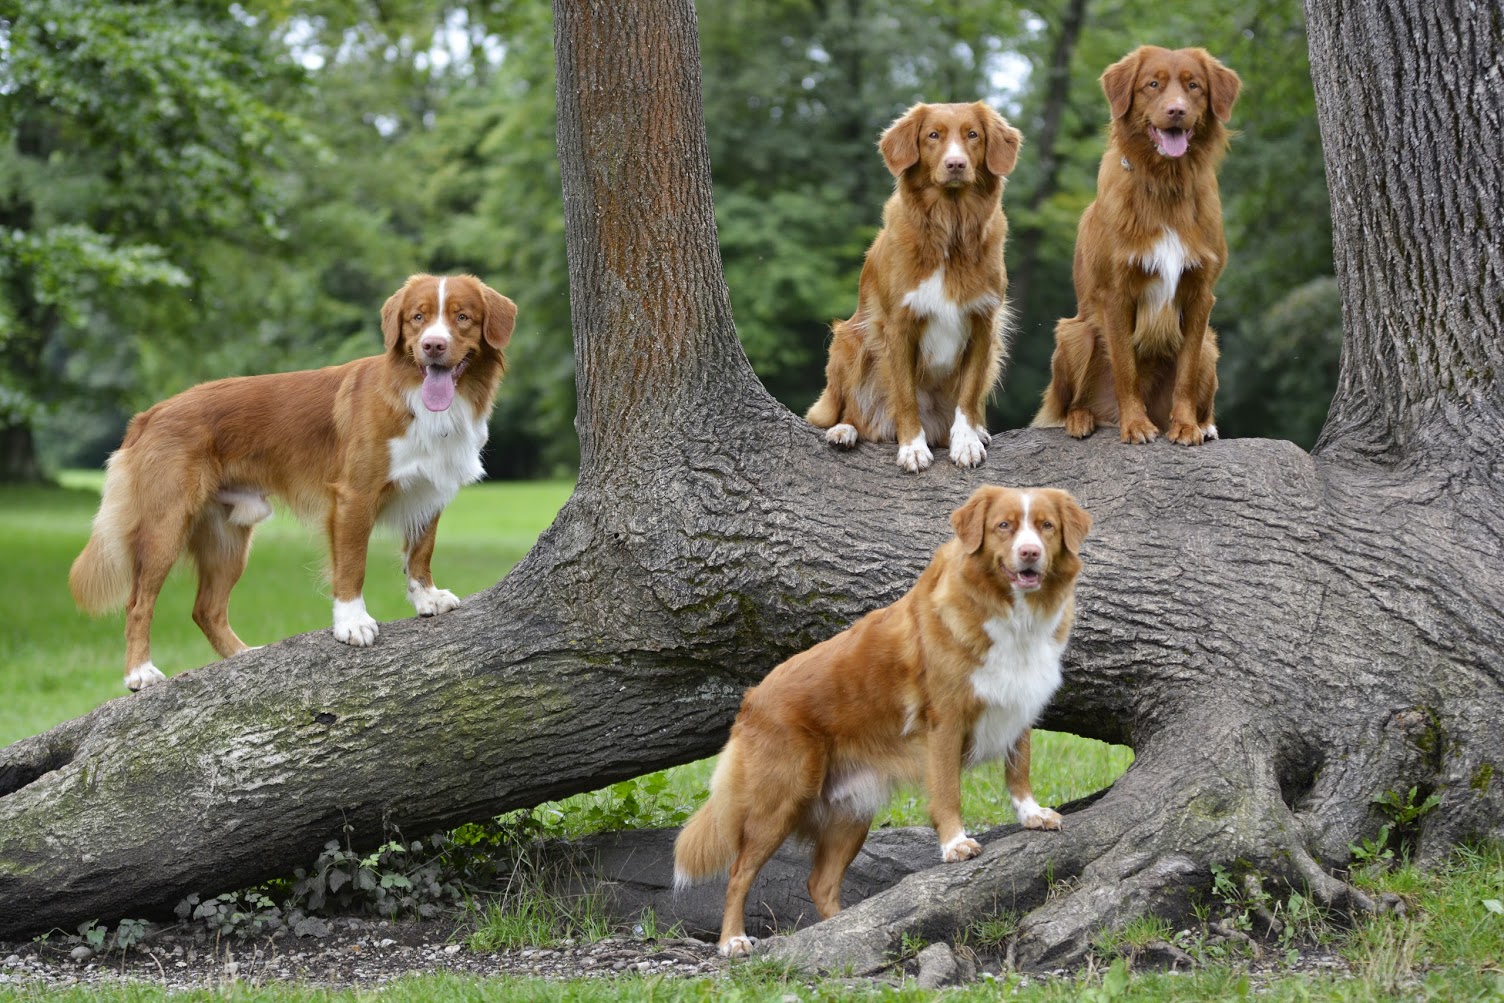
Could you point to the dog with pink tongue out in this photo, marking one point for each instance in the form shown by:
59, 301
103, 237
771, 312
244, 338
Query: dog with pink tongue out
390, 438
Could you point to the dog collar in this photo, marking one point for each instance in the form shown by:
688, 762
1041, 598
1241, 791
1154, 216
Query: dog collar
1126, 166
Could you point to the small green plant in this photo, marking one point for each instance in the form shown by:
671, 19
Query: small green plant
909, 946
93, 934
647, 927
992, 933
1114, 984
1395, 840
1133, 938
129, 933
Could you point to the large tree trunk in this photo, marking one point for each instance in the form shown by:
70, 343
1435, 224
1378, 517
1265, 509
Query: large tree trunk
1279, 636
1044, 144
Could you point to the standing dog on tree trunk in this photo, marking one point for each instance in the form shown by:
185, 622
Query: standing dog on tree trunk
389, 438
915, 363
953, 673
1139, 353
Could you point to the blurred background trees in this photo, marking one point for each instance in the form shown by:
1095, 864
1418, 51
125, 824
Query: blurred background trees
191, 190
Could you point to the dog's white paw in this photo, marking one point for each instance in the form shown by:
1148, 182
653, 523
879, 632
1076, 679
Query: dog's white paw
983, 434
842, 435
431, 601
915, 454
1209, 431
966, 448
737, 947
142, 675
1032, 816
962, 847
353, 625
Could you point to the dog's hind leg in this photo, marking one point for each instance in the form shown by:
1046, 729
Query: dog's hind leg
220, 546
158, 542
836, 846
762, 833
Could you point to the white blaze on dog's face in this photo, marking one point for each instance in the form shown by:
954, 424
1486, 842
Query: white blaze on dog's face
441, 324
951, 145
1029, 537
1166, 94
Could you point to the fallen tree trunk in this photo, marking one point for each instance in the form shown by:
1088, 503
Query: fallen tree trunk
1280, 636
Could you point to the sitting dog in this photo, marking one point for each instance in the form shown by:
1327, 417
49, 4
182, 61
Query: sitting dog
917, 360
1139, 353
388, 438
953, 673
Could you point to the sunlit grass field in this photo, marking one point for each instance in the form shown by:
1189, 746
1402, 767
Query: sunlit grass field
56, 663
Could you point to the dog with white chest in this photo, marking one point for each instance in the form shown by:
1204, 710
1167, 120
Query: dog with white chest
391, 438
952, 674
915, 363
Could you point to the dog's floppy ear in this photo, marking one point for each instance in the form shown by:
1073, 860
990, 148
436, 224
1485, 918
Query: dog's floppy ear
900, 142
391, 315
1003, 142
501, 318
1117, 82
970, 520
1223, 85
1075, 521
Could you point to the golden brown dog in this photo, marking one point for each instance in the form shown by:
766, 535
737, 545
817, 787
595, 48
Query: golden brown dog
374, 439
915, 363
955, 672
1139, 353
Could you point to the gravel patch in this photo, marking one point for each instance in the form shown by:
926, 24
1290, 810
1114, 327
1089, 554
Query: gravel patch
354, 952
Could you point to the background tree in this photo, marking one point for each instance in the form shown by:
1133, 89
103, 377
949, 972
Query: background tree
1278, 635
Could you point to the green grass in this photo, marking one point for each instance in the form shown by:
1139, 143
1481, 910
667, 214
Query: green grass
59, 663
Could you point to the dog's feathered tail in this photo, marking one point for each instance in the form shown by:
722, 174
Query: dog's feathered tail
707, 844
100, 579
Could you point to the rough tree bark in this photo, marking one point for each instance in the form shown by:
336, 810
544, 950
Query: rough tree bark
1279, 636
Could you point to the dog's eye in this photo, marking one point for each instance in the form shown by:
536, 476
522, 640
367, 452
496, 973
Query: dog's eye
934, 135
972, 134
1154, 85
1047, 525
1192, 85
1003, 525
417, 318
462, 318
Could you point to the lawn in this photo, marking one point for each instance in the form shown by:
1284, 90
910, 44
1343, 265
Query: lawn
56, 663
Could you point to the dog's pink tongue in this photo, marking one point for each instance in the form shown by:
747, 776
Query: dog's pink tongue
1174, 142
438, 388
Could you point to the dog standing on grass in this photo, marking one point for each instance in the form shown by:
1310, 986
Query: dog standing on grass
1139, 354
389, 438
915, 363
953, 673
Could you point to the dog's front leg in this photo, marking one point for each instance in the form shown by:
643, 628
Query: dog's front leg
352, 513
1118, 318
1185, 428
969, 437
417, 557
1016, 772
942, 781
900, 338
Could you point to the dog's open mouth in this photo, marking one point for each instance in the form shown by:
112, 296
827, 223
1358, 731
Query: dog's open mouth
1024, 578
439, 383
1171, 142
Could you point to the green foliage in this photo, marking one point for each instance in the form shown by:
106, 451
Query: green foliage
1402, 814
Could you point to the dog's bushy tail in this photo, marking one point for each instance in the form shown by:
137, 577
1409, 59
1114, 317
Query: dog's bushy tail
707, 844
100, 579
